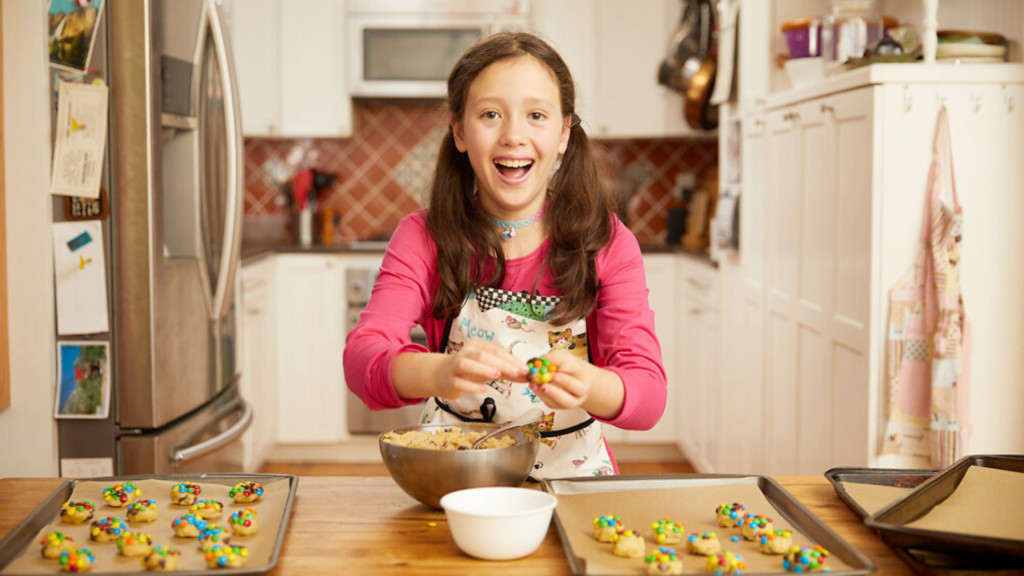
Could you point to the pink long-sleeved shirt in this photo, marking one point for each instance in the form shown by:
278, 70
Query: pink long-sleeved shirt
620, 329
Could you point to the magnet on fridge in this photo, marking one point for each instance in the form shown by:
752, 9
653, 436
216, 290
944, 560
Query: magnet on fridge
82, 208
79, 241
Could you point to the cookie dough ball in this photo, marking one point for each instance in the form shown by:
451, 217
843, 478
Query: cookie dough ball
664, 561
208, 509
142, 511
121, 495
188, 526
726, 563
606, 526
134, 544
246, 492
804, 559
751, 524
161, 559
56, 542
667, 531
775, 541
705, 544
628, 544
185, 494
214, 535
245, 523
77, 511
221, 556
76, 560
107, 529
729, 514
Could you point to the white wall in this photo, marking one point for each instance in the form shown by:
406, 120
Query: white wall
27, 429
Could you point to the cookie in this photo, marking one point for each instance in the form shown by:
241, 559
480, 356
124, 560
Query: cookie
107, 529
628, 544
246, 492
134, 544
142, 511
185, 494
726, 563
541, 370
208, 509
729, 514
664, 561
705, 544
76, 560
751, 524
221, 556
804, 559
214, 535
667, 531
76, 511
121, 495
161, 559
56, 542
606, 526
188, 526
774, 541
245, 523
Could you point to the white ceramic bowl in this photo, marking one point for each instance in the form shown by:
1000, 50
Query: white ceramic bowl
804, 71
498, 523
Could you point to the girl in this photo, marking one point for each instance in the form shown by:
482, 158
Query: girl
516, 257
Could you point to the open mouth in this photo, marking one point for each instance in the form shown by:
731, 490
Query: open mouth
513, 169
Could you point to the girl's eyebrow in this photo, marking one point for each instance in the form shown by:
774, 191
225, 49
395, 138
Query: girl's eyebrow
528, 101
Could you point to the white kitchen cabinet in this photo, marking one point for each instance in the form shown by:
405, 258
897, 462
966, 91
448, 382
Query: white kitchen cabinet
289, 58
613, 50
259, 372
309, 311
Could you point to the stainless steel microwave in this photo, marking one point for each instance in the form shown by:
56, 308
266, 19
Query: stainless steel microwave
407, 48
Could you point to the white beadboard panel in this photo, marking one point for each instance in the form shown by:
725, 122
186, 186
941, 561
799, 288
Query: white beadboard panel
814, 402
816, 262
854, 421
783, 411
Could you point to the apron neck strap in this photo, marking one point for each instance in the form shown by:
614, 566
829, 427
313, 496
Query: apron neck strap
942, 147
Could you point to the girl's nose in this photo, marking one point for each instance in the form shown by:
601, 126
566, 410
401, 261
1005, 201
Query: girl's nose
513, 133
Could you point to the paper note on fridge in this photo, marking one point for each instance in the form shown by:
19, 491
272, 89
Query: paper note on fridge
81, 137
81, 278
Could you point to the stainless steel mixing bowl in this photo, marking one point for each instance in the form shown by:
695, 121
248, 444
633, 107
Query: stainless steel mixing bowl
427, 475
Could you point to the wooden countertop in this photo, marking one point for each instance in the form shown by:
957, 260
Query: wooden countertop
369, 526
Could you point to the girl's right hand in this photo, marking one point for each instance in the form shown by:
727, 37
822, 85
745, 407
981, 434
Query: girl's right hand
477, 362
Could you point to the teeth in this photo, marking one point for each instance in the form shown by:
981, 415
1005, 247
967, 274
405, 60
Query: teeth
513, 163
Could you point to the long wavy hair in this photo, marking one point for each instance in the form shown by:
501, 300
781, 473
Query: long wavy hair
579, 212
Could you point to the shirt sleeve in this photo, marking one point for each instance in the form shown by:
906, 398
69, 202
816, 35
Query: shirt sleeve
623, 338
399, 300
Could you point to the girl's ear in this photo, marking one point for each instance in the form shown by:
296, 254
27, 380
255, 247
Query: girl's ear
459, 134
563, 143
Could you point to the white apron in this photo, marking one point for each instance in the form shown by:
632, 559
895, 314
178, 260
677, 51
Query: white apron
572, 441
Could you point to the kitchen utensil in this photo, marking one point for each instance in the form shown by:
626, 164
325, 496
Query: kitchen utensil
698, 110
498, 523
689, 44
848, 30
803, 37
527, 418
428, 475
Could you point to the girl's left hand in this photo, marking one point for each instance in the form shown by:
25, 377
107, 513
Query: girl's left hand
570, 387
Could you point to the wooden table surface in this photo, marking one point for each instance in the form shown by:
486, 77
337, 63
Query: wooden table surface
369, 526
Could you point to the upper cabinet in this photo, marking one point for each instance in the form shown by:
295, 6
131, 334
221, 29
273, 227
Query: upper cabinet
291, 67
613, 50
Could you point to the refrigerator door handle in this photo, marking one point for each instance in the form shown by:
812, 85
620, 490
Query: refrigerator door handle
235, 174
180, 456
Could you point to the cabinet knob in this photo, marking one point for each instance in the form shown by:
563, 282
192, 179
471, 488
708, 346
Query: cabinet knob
695, 311
253, 311
827, 108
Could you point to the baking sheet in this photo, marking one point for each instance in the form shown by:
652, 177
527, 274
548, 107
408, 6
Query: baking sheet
988, 502
857, 486
871, 497
264, 547
691, 500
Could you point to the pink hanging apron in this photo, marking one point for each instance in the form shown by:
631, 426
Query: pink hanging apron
928, 346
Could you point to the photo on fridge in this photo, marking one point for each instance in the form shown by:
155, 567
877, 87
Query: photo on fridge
83, 380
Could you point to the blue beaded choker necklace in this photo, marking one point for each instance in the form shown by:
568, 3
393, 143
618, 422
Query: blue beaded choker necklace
508, 229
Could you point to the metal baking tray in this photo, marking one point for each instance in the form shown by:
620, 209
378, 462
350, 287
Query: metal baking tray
895, 477
785, 504
24, 535
947, 548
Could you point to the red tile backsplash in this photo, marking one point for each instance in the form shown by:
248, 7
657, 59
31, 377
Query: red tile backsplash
385, 166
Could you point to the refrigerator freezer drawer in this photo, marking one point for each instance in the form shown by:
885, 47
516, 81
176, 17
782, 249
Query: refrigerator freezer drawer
206, 441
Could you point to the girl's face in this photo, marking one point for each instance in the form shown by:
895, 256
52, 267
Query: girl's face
513, 131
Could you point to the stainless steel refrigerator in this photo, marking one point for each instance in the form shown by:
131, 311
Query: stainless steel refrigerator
174, 174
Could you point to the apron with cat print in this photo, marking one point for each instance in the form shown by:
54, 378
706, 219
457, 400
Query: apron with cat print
572, 441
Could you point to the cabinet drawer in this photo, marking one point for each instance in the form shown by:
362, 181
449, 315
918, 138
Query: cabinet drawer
699, 281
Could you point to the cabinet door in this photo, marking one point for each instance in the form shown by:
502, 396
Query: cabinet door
690, 409
310, 325
711, 401
255, 45
660, 273
570, 26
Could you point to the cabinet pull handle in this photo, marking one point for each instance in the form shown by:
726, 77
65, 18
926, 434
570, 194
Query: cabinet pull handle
827, 108
697, 283
253, 311
790, 116
695, 311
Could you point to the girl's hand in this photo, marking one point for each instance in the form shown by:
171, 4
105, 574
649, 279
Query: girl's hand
571, 384
476, 363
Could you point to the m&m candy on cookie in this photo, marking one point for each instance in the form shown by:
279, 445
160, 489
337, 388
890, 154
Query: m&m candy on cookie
188, 526
107, 529
540, 370
142, 511
76, 511
221, 556
208, 509
185, 494
726, 563
121, 495
246, 492
605, 527
161, 559
245, 523
664, 561
806, 559
666, 531
729, 515
76, 560
55, 543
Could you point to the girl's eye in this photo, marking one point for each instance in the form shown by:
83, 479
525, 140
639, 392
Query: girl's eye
536, 116
490, 115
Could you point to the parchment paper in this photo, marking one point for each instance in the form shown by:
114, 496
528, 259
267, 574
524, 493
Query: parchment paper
872, 497
270, 508
988, 502
694, 507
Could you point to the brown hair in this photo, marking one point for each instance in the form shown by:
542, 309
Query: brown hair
579, 208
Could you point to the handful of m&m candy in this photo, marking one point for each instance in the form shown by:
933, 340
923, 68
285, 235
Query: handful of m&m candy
541, 370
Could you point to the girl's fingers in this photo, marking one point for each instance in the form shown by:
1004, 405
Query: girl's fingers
466, 386
556, 397
571, 385
476, 370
